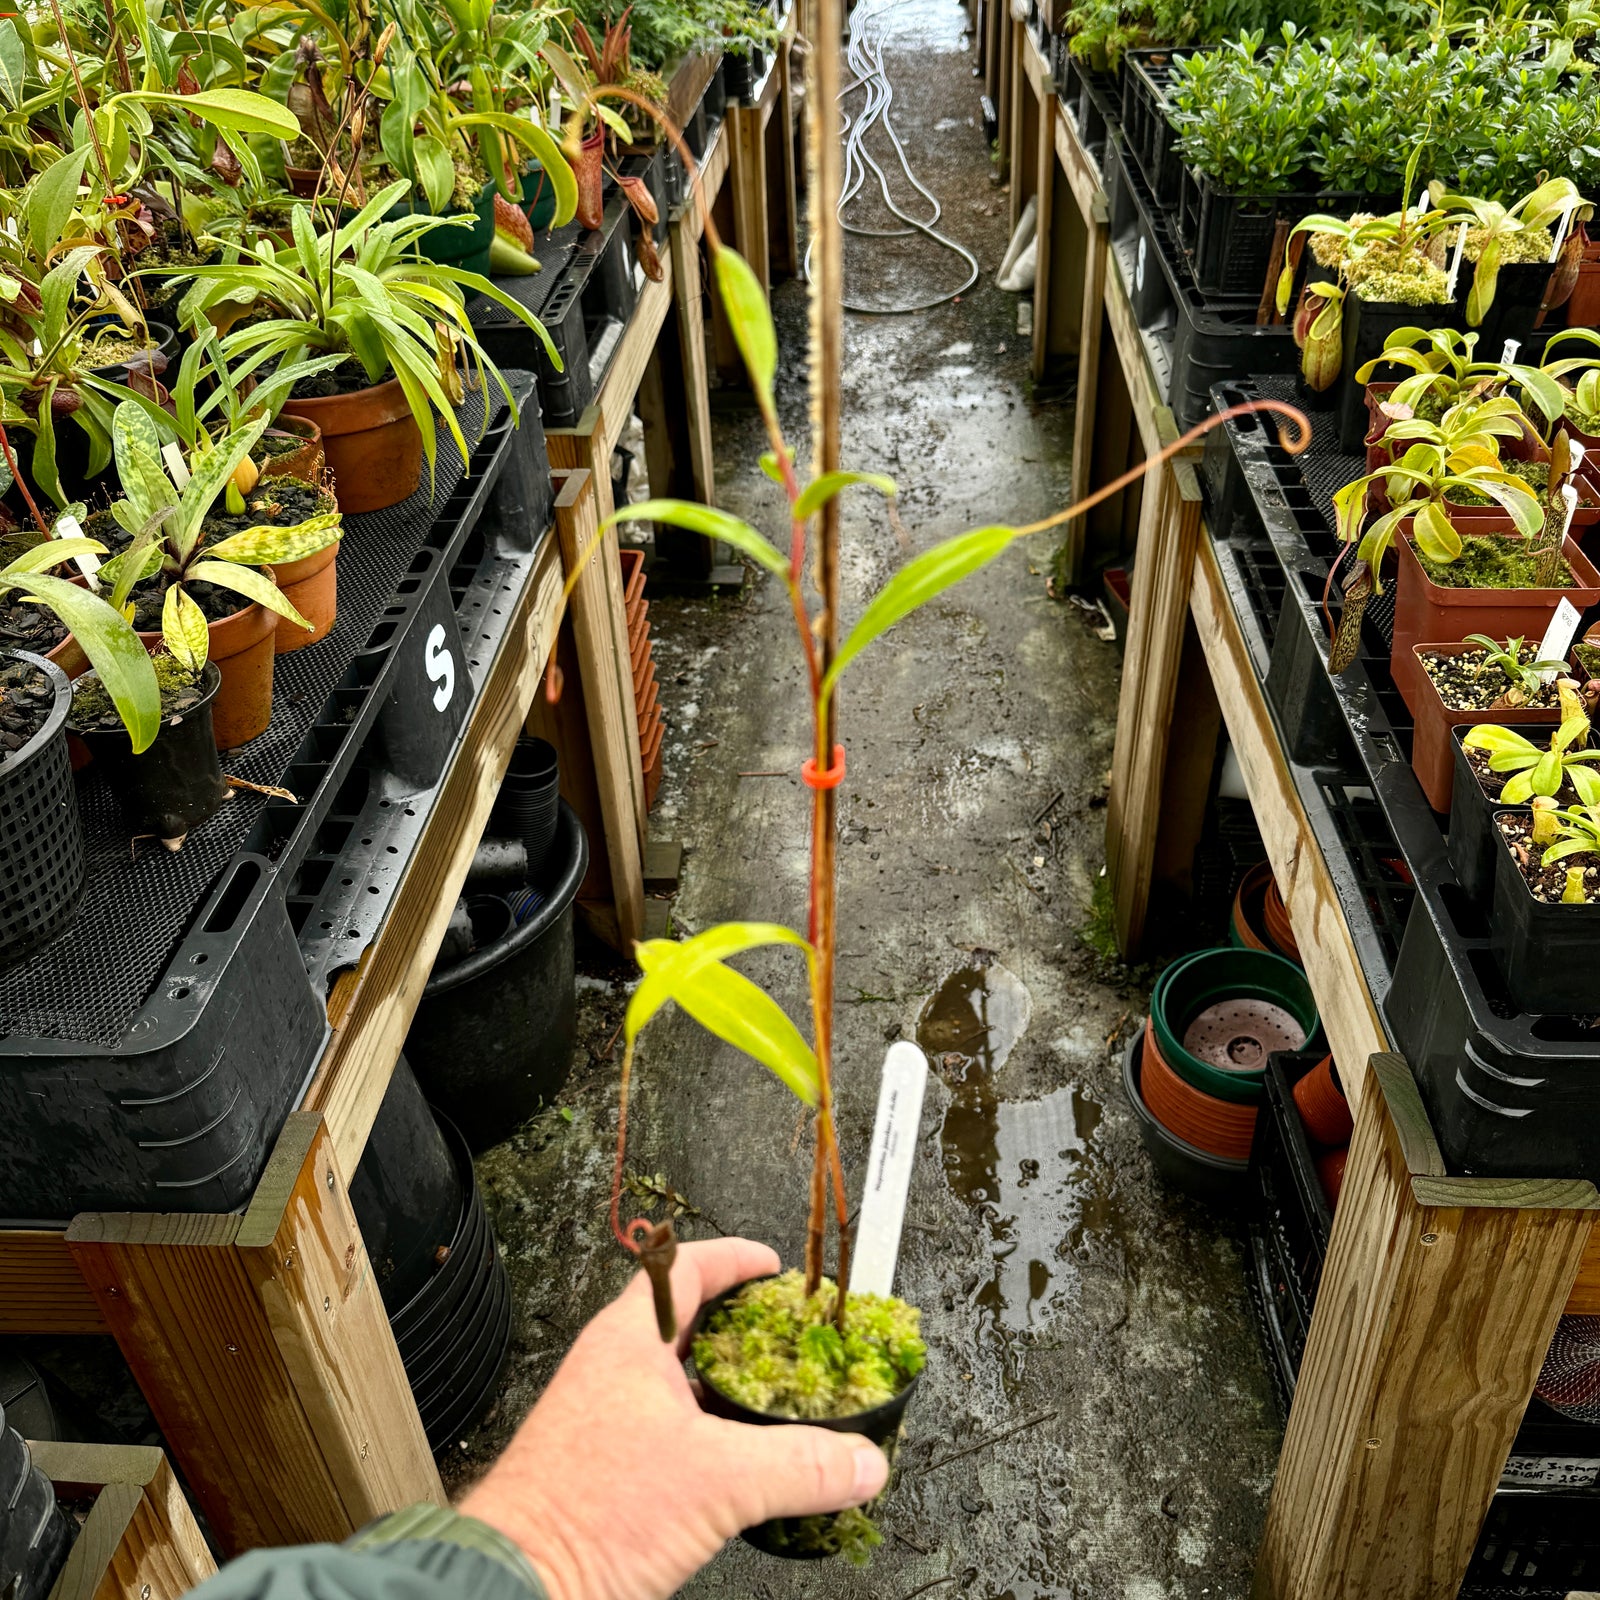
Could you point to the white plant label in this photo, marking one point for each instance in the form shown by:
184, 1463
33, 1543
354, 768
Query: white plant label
440, 666
1455, 260
894, 1148
172, 454
1551, 1472
1138, 267
68, 527
1558, 636
1567, 211
1508, 353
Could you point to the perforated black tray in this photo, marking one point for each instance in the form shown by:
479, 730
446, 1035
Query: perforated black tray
149, 1054
1509, 1093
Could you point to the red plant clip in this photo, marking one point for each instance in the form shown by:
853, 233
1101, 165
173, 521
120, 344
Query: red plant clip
831, 779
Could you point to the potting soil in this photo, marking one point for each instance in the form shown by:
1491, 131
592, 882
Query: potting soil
26, 700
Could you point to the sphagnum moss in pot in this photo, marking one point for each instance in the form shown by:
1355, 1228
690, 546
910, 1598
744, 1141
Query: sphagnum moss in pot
792, 1348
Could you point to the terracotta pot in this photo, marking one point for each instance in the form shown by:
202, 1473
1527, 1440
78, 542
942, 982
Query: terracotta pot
1247, 925
1583, 307
372, 443
1432, 753
589, 169
305, 463
1330, 1173
1322, 1106
302, 180
1279, 931
311, 586
1219, 1127
1426, 610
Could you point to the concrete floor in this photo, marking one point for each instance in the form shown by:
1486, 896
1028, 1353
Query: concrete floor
1065, 1293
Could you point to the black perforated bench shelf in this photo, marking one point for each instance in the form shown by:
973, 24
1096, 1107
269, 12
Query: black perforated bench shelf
149, 1054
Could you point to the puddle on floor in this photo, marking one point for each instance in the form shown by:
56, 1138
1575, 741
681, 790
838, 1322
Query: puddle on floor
1027, 1166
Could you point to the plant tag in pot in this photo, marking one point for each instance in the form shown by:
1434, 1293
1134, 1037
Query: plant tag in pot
1508, 351
1559, 635
68, 527
894, 1148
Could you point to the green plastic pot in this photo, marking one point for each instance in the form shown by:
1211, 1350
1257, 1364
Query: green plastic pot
467, 248
1205, 978
538, 196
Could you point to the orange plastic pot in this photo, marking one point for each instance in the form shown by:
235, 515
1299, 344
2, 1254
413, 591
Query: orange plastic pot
311, 586
1322, 1105
1248, 924
305, 463
1330, 1173
1276, 916
242, 647
1219, 1127
372, 444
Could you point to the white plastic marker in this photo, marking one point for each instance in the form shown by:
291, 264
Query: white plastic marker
1455, 260
1558, 636
68, 527
176, 465
1568, 211
894, 1148
1508, 351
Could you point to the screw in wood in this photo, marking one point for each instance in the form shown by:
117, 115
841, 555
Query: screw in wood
327, 1302
330, 1180
1430, 1238
1372, 1444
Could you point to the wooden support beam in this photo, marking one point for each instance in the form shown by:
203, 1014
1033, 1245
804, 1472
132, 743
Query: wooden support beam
600, 642
747, 181
262, 1346
140, 1540
41, 1289
691, 396
783, 173
1169, 531
376, 1007
1438, 1300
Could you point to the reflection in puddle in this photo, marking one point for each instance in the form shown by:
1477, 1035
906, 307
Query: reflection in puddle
1026, 1164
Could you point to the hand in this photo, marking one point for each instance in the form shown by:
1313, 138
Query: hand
619, 1487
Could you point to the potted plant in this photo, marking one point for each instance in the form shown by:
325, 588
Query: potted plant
186, 587
1545, 925
357, 288
1479, 681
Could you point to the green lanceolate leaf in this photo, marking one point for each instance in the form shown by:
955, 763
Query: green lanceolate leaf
562, 181
183, 627
251, 584
13, 63
263, 546
241, 110
750, 318
52, 197
820, 491
1434, 535
916, 583
736, 1010
666, 957
712, 523
51, 553
114, 651
1484, 280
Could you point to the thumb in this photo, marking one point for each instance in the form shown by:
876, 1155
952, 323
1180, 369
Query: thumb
796, 1471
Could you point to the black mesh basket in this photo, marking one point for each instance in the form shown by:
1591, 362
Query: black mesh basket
41, 840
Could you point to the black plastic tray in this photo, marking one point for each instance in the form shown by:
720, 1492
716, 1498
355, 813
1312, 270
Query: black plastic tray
583, 297
1194, 342
149, 1055
1510, 1094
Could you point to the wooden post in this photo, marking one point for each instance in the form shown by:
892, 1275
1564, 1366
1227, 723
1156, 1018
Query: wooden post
1022, 133
1438, 1300
262, 1345
140, 1540
782, 179
693, 395
747, 179
1169, 530
600, 643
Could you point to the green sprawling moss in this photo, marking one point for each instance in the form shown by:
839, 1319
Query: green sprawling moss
1488, 561
1526, 244
775, 1349
1387, 273
91, 701
849, 1533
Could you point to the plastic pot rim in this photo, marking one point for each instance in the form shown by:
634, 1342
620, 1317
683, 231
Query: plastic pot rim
558, 898
61, 685
210, 681
1227, 1166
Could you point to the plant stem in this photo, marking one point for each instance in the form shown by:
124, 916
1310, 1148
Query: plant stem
83, 97
11, 461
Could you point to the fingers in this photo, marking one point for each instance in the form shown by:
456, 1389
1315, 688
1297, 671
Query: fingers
701, 1272
792, 1471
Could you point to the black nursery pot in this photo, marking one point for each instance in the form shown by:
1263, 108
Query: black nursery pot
1472, 842
41, 839
1519, 292
800, 1538
1366, 324
175, 784
492, 1040
1548, 953
526, 806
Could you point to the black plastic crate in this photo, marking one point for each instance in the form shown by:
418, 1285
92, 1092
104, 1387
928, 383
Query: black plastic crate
1509, 1093
583, 297
149, 1056
1147, 81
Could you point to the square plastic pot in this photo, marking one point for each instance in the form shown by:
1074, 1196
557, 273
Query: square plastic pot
1548, 953
1472, 843
1365, 325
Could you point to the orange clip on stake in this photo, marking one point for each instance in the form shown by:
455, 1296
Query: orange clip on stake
831, 779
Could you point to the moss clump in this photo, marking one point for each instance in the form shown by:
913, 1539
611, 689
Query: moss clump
775, 1349
114, 350
1397, 275
92, 703
850, 1533
1588, 657
1526, 244
1488, 561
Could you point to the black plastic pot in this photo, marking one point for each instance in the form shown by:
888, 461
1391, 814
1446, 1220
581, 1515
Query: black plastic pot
453, 1333
35, 1533
1549, 953
529, 795
1233, 241
1366, 324
175, 784
491, 1041
406, 1191
1472, 841
1196, 1172
41, 838
801, 1538
1518, 295
163, 347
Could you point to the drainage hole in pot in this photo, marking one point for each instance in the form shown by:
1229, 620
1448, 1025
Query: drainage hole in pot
183, 994
1246, 1051
200, 961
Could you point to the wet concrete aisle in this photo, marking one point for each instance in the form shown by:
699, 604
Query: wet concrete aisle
1066, 1296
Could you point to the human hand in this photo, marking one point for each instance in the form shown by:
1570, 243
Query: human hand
618, 1486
